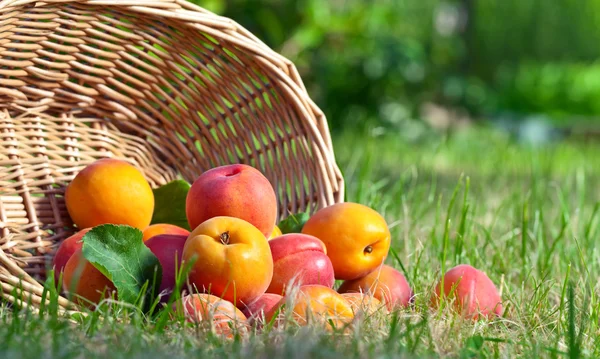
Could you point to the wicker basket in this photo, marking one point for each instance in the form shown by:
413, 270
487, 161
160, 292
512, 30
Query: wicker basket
164, 84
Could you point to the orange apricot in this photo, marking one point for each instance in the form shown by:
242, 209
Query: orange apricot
314, 304
110, 191
357, 238
233, 259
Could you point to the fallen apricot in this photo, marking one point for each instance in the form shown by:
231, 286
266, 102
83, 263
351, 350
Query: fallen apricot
357, 238
233, 259
314, 304
222, 316
110, 191
237, 191
471, 290
84, 282
66, 250
385, 283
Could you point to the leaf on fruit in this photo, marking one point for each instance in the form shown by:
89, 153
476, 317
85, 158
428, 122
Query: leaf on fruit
120, 254
293, 223
169, 204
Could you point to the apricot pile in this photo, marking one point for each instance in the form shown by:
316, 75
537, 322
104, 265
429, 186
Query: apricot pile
241, 269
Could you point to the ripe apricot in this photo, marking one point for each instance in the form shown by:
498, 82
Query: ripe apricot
471, 290
65, 251
314, 304
299, 259
237, 191
385, 283
163, 228
233, 259
110, 191
86, 283
220, 314
364, 303
357, 238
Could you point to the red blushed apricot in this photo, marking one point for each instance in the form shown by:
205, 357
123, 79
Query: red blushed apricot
220, 314
163, 228
238, 191
472, 291
255, 311
66, 250
299, 259
385, 283
86, 283
168, 248
314, 304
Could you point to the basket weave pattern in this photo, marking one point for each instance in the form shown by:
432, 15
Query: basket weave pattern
163, 84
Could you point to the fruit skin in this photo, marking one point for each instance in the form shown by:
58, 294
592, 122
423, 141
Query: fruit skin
362, 303
357, 238
163, 228
81, 278
385, 283
237, 191
255, 311
473, 292
110, 191
275, 233
168, 248
206, 308
65, 251
233, 259
300, 259
315, 304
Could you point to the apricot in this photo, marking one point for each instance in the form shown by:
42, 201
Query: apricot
275, 233
314, 304
299, 259
233, 259
222, 316
237, 191
357, 238
362, 303
163, 228
110, 191
255, 311
66, 250
84, 282
472, 291
168, 248
385, 283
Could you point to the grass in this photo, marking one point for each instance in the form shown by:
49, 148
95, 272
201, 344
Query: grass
526, 216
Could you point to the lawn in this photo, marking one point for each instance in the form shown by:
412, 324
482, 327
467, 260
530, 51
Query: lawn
528, 217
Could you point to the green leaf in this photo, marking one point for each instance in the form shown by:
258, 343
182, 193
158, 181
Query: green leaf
120, 254
169, 204
293, 223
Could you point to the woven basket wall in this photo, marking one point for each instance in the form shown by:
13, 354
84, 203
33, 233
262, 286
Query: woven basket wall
163, 84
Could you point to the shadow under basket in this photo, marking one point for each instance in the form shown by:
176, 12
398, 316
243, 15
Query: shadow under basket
163, 84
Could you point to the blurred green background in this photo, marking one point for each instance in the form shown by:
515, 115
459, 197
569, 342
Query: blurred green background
529, 66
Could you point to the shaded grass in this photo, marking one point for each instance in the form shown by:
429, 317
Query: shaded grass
526, 216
